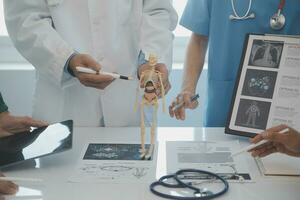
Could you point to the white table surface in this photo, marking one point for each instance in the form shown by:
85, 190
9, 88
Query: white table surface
56, 170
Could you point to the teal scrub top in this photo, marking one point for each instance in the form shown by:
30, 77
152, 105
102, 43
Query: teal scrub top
226, 39
3, 107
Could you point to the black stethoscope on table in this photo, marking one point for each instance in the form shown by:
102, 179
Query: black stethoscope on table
277, 21
199, 194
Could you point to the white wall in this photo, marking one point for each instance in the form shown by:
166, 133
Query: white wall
17, 82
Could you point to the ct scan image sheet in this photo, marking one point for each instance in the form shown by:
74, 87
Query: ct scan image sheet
105, 162
113, 152
268, 88
213, 156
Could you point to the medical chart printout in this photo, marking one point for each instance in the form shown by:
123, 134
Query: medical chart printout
213, 156
114, 163
267, 91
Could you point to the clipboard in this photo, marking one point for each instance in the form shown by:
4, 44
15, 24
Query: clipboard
267, 88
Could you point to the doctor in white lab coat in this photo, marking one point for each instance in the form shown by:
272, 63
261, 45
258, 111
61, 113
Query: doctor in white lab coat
110, 35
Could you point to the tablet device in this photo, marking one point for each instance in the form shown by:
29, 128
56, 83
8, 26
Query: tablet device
36, 143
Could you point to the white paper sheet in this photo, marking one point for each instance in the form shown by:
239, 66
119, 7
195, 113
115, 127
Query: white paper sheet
211, 156
113, 163
279, 165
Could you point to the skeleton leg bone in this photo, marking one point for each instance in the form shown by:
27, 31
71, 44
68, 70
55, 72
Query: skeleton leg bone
143, 150
153, 133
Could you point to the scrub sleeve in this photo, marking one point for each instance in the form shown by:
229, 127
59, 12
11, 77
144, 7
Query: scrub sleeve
3, 106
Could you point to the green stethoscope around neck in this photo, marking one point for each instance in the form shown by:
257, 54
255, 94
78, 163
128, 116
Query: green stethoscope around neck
277, 21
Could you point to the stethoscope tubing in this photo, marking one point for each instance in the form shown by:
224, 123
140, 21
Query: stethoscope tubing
204, 172
281, 5
181, 184
235, 12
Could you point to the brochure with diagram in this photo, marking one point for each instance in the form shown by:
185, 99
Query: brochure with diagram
113, 163
267, 90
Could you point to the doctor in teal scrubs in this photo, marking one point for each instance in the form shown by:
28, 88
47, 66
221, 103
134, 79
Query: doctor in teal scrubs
221, 26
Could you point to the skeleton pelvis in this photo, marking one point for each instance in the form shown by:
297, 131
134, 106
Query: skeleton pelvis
151, 76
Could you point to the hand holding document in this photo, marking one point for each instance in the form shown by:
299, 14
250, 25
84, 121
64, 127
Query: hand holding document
20, 179
7, 187
10, 185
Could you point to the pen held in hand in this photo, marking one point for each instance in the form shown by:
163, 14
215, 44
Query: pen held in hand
253, 146
114, 75
193, 98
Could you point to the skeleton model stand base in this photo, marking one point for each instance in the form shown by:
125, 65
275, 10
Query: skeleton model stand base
151, 81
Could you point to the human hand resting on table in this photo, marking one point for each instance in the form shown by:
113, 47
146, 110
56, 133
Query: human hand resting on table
287, 143
10, 125
185, 97
98, 81
162, 68
7, 187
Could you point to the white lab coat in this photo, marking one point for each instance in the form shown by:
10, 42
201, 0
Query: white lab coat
47, 32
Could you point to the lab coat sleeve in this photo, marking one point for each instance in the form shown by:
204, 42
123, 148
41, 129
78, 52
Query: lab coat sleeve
158, 22
31, 29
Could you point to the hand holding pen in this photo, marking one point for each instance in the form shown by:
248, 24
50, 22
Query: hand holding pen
185, 100
91, 71
282, 139
99, 81
260, 141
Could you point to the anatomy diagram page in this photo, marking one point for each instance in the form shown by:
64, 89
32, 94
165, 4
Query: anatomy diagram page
267, 89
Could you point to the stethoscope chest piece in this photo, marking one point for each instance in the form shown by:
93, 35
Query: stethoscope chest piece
203, 193
277, 22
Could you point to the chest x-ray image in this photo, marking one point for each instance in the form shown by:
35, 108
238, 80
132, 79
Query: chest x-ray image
266, 54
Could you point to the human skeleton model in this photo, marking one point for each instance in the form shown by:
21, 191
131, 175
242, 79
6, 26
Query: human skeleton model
151, 81
253, 111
